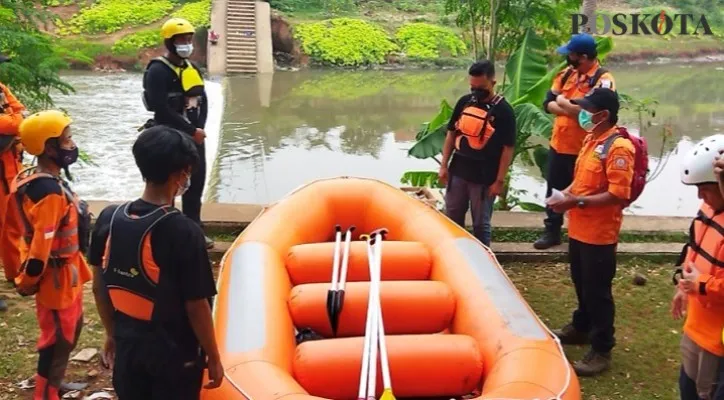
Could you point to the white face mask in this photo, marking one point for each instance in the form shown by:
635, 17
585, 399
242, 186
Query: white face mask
184, 50
182, 188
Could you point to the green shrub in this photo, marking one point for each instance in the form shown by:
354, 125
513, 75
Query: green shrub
198, 13
426, 41
106, 16
344, 41
130, 44
79, 50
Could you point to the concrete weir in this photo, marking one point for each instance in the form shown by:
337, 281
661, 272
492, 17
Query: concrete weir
221, 217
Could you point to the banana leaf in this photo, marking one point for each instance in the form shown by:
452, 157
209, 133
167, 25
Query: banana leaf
421, 179
432, 136
526, 66
532, 120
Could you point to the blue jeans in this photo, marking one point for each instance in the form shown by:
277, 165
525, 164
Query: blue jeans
462, 195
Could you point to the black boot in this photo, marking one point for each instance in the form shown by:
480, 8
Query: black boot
570, 335
547, 240
593, 363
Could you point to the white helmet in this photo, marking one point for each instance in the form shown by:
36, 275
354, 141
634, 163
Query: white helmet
697, 167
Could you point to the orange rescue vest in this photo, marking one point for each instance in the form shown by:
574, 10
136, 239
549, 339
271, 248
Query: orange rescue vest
66, 242
705, 319
474, 128
129, 270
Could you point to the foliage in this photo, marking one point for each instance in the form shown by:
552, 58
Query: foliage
131, 43
426, 41
421, 179
344, 41
33, 72
330, 7
107, 16
198, 13
79, 50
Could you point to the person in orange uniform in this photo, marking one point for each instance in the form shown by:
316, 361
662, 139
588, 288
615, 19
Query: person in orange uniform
595, 201
156, 312
700, 283
583, 74
53, 267
10, 226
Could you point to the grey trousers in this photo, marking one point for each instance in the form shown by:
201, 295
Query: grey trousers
462, 195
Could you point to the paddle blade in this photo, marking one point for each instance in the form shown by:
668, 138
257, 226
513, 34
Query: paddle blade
333, 311
330, 306
387, 395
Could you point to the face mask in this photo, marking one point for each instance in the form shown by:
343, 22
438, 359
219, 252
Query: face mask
573, 63
585, 120
480, 94
182, 188
65, 157
184, 50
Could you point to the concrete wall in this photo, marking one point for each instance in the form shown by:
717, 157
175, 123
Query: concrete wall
264, 55
216, 55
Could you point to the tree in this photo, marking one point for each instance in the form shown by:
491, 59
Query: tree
33, 73
589, 10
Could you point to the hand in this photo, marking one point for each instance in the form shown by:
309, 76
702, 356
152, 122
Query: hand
561, 99
495, 189
442, 175
718, 169
216, 373
561, 206
690, 279
27, 290
678, 304
108, 355
199, 136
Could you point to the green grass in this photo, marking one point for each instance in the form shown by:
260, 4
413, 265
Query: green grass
507, 235
646, 357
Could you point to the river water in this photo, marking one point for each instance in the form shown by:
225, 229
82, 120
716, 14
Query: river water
270, 134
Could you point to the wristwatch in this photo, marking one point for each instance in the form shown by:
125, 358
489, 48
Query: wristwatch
580, 203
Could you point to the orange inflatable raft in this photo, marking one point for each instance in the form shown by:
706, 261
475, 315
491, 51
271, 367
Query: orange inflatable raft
455, 324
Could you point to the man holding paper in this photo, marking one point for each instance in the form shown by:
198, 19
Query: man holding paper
595, 200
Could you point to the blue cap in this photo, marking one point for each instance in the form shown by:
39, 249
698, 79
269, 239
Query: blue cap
581, 43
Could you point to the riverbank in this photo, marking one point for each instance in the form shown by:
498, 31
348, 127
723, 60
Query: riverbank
642, 237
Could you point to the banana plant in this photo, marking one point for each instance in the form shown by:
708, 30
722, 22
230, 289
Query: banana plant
527, 78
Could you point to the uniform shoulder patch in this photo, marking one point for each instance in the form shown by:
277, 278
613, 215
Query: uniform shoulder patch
606, 83
620, 163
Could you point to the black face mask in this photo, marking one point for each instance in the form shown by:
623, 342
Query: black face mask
64, 157
573, 63
480, 94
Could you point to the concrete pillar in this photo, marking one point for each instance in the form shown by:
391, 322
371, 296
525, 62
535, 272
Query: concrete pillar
216, 54
264, 55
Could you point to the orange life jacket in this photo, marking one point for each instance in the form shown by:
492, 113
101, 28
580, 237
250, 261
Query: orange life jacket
474, 128
66, 268
129, 270
705, 319
66, 239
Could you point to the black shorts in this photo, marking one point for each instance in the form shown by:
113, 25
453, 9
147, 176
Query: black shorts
150, 370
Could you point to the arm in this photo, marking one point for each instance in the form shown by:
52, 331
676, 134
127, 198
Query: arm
449, 144
103, 300
506, 127
96, 252
202, 323
11, 115
44, 216
567, 107
204, 111
156, 86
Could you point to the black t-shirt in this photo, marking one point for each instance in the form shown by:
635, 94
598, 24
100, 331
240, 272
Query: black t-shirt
179, 250
484, 170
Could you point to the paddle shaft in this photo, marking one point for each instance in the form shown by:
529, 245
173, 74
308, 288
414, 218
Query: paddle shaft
387, 382
345, 257
368, 331
335, 260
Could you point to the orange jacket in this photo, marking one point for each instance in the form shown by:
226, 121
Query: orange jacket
705, 310
601, 225
11, 113
567, 136
50, 253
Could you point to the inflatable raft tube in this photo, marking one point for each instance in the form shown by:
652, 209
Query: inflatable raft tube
455, 324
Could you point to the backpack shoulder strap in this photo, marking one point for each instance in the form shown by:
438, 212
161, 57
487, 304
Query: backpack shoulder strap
596, 76
608, 143
565, 77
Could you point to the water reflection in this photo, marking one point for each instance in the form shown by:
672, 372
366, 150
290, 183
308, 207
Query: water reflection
284, 130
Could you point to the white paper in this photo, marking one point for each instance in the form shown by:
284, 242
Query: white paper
556, 196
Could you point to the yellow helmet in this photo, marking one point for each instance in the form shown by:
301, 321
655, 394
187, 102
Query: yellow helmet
41, 126
176, 26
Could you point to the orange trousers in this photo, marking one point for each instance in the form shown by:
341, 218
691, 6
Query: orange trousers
11, 226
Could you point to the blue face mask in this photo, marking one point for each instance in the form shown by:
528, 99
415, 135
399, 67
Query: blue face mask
585, 120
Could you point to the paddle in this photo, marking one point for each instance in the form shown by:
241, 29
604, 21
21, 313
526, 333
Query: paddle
339, 295
364, 370
386, 380
332, 292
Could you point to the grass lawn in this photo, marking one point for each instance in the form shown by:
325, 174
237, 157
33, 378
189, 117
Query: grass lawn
645, 363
